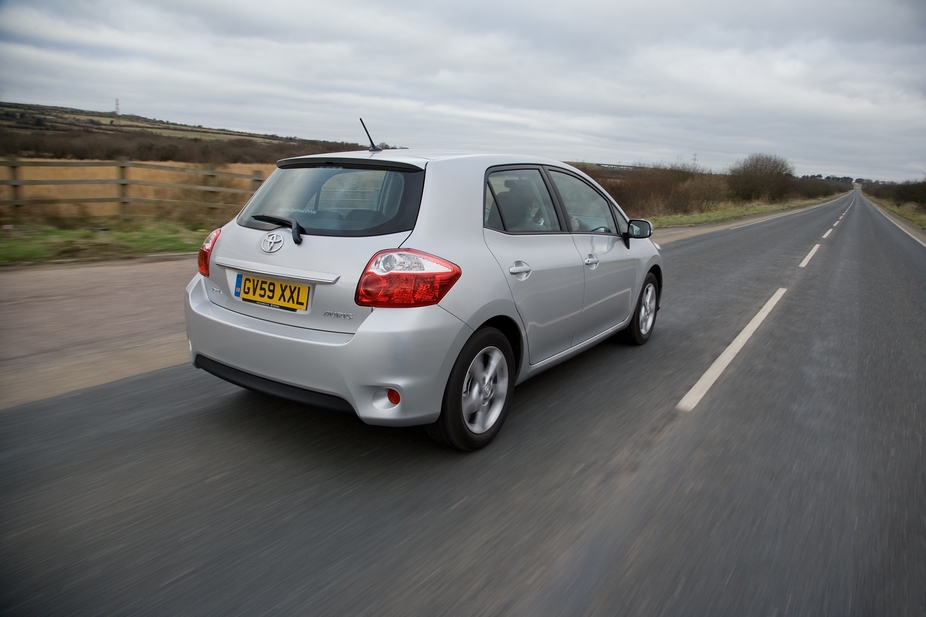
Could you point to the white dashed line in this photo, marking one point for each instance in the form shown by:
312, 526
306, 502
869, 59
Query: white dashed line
809, 256
691, 400
828, 232
836, 223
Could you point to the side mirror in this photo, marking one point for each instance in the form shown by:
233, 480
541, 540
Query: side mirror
640, 228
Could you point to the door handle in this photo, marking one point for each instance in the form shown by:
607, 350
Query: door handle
592, 261
520, 270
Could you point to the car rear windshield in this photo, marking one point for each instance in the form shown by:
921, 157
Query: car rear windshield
339, 201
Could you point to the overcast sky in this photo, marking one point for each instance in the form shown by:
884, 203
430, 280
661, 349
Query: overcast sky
835, 86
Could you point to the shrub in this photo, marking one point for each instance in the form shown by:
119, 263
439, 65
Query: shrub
812, 188
660, 190
760, 177
902, 193
703, 192
914, 192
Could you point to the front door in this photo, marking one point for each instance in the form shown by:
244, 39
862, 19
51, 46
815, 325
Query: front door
609, 266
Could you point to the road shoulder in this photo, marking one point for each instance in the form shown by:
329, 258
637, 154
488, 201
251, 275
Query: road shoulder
913, 230
69, 327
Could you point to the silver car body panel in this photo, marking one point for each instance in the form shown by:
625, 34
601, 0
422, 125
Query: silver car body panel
409, 349
330, 266
544, 274
610, 276
356, 367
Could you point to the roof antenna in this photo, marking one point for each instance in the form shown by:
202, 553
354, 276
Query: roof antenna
373, 147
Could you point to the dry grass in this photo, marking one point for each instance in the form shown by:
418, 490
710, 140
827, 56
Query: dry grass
911, 211
686, 194
78, 209
731, 210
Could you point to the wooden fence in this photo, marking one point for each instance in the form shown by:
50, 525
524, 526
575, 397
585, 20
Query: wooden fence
123, 182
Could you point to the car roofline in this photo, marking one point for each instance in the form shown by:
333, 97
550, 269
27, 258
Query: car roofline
410, 159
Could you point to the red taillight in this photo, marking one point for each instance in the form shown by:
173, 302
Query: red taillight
405, 278
205, 251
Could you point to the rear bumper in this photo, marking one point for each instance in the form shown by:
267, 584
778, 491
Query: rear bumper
409, 350
268, 386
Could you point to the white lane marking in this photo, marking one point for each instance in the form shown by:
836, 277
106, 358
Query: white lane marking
690, 400
836, 223
809, 256
785, 213
828, 232
899, 226
755, 222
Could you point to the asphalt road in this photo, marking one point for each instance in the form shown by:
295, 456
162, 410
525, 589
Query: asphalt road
795, 486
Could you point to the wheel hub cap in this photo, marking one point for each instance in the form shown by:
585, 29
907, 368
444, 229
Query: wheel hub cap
484, 390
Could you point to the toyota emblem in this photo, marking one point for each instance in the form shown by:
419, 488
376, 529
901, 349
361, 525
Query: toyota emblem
271, 243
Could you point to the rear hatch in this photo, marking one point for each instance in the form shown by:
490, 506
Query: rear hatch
343, 211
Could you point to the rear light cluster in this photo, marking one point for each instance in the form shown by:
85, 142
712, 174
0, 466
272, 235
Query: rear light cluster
205, 251
400, 278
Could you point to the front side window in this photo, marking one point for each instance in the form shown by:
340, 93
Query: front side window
517, 200
339, 201
586, 210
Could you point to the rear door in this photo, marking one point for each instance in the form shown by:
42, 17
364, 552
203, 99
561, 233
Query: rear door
539, 258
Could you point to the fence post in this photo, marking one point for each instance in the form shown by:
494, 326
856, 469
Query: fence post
123, 187
209, 180
257, 178
16, 193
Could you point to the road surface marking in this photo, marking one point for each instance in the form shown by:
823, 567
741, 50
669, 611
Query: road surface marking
781, 214
836, 223
690, 400
810, 255
828, 232
898, 225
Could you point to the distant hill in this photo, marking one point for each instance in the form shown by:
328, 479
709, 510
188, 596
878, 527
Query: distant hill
40, 131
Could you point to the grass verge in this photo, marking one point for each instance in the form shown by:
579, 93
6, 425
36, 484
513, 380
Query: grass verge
910, 211
104, 241
730, 212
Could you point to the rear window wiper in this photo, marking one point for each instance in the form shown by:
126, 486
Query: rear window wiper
298, 229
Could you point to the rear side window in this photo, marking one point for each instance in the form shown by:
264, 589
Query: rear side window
339, 201
517, 200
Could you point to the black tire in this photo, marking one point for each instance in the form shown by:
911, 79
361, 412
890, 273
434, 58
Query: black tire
471, 417
644, 316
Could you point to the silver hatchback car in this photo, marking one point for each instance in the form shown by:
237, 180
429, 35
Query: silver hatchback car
415, 287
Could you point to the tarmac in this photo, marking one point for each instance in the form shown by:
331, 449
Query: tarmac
67, 327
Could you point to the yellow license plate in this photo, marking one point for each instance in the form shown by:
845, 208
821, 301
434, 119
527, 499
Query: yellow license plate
288, 296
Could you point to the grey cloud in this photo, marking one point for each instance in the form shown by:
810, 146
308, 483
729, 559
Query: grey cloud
826, 83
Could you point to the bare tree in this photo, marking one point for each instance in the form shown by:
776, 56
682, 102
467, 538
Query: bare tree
760, 176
